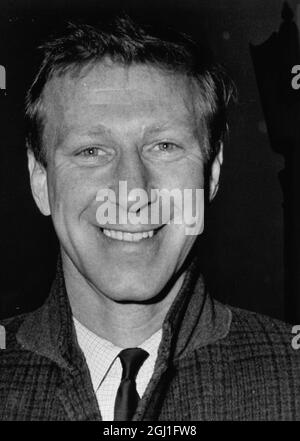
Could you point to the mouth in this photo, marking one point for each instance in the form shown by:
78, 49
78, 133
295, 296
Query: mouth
127, 236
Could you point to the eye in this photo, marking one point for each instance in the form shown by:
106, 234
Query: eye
165, 151
91, 152
166, 147
94, 155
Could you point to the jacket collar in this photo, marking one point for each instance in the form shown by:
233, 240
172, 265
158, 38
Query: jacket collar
49, 331
194, 320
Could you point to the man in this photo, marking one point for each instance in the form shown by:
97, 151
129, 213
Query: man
129, 330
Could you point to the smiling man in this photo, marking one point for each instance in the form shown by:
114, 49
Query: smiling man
115, 123
128, 330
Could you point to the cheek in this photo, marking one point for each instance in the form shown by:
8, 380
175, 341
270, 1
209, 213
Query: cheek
194, 175
187, 243
187, 173
68, 190
180, 177
178, 246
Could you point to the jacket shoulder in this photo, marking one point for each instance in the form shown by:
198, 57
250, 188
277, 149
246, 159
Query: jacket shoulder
258, 325
259, 336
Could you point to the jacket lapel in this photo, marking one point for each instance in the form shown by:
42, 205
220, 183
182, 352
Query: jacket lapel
49, 332
193, 321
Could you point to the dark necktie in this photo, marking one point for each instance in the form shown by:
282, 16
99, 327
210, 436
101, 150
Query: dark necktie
127, 397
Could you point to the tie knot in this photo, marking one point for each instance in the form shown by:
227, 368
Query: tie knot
132, 359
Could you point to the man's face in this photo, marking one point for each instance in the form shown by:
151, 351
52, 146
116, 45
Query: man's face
114, 123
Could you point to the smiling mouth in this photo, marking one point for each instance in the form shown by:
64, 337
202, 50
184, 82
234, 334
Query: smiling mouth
130, 237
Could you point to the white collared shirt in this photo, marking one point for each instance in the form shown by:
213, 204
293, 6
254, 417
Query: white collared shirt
106, 369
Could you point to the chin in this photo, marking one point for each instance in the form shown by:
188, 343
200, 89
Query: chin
128, 290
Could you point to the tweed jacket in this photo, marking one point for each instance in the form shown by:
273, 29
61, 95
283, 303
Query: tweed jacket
214, 363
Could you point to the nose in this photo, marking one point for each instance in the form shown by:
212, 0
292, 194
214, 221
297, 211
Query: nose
132, 182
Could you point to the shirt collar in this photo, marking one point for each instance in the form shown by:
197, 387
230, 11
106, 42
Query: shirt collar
100, 354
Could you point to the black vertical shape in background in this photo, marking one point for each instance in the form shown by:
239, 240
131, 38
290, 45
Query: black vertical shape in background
273, 62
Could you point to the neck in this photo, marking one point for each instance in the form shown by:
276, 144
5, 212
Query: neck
123, 324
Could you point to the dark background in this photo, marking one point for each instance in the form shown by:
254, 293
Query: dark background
242, 249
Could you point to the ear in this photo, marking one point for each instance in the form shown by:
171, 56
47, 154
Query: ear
38, 182
215, 173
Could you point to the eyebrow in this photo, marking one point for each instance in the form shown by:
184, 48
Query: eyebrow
100, 129
154, 129
177, 124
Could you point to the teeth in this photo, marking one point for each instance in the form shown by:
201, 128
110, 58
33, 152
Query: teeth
107, 232
128, 237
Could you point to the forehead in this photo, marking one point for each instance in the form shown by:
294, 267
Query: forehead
116, 96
